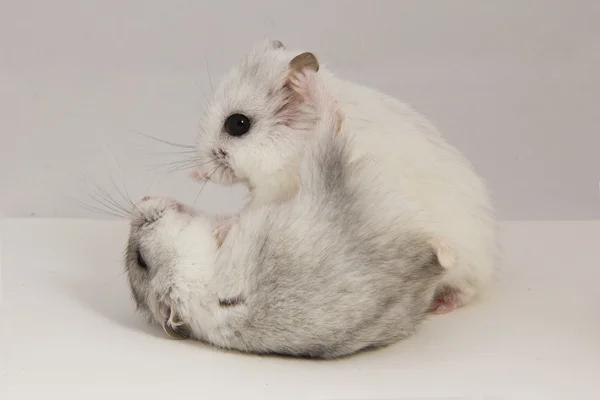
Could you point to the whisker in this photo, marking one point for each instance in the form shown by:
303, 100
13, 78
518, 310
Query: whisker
202, 92
208, 73
107, 196
193, 160
174, 144
127, 198
109, 206
184, 167
105, 202
170, 167
189, 152
205, 182
170, 153
179, 165
97, 210
102, 194
114, 278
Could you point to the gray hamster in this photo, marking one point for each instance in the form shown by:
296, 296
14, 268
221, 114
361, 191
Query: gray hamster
320, 275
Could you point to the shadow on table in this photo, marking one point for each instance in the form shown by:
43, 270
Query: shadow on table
111, 300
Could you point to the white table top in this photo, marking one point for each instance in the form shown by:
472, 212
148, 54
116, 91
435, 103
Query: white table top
68, 330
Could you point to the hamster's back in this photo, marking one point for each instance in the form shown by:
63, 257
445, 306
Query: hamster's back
413, 158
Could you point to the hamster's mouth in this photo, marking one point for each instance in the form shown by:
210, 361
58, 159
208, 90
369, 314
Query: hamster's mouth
216, 168
226, 175
222, 174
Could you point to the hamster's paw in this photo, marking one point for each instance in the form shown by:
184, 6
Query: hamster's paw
182, 208
221, 231
199, 176
447, 299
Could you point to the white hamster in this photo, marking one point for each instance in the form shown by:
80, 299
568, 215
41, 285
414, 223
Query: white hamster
315, 276
255, 129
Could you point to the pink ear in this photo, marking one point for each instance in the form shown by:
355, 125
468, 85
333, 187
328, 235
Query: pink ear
304, 83
304, 61
297, 109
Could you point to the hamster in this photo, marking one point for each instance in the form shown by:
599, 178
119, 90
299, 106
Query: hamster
255, 129
315, 276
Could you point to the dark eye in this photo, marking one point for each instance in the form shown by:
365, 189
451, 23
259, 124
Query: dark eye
237, 125
140, 260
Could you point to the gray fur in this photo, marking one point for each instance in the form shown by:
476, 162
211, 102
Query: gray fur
318, 278
315, 276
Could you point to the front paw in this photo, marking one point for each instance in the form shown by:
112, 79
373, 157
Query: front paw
222, 229
199, 176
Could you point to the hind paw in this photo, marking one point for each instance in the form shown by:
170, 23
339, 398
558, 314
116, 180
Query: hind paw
446, 300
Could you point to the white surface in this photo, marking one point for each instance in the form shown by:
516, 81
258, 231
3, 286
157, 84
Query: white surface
69, 330
514, 84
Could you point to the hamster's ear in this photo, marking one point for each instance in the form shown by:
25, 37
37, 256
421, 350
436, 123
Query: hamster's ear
276, 44
304, 61
296, 110
305, 84
260, 48
301, 78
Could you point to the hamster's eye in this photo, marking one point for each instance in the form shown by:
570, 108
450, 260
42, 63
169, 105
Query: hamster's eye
140, 260
237, 125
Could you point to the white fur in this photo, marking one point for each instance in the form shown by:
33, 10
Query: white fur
414, 159
408, 153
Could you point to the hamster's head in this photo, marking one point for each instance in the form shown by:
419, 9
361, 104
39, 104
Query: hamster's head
170, 249
256, 124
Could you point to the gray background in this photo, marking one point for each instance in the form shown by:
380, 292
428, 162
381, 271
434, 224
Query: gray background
513, 84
